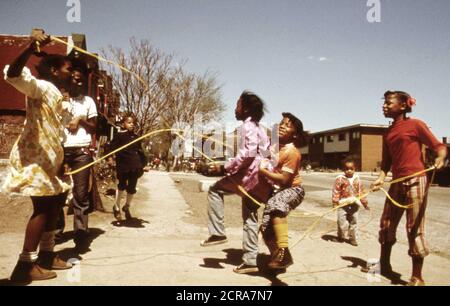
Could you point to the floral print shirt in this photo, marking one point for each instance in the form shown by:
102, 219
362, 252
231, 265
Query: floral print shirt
37, 156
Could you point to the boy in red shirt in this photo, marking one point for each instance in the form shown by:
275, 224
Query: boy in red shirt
402, 155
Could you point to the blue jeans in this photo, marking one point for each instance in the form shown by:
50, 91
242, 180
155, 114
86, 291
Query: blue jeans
216, 216
76, 158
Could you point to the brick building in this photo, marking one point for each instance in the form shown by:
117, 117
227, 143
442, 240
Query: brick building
364, 142
12, 103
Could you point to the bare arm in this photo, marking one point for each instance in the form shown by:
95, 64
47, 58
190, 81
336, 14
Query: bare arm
17, 66
282, 179
440, 159
90, 125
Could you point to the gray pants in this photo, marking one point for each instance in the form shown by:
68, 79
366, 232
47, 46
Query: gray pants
249, 216
348, 216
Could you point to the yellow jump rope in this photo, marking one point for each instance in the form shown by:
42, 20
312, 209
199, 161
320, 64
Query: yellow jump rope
241, 189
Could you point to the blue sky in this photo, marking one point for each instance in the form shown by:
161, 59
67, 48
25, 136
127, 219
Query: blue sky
319, 59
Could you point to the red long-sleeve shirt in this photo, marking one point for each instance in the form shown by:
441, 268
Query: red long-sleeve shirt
402, 147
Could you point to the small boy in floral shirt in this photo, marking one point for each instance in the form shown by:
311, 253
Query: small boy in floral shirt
347, 188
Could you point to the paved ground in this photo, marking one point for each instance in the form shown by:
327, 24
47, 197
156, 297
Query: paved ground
161, 245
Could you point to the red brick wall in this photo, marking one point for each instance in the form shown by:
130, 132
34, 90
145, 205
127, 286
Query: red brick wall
10, 128
10, 47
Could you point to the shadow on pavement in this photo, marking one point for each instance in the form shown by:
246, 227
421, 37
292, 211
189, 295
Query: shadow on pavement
333, 238
393, 276
234, 258
132, 223
84, 248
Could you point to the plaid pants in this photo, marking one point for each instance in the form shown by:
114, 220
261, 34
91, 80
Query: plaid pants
409, 192
282, 203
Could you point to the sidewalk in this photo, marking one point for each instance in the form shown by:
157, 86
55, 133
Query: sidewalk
160, 248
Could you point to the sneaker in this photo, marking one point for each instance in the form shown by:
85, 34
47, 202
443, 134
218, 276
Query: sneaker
51, 261
126, 210
213, 240
244, 268
117, 214
353, 242
281, 259
26, 272
414, 282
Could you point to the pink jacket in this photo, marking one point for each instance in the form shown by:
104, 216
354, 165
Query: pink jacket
253, 145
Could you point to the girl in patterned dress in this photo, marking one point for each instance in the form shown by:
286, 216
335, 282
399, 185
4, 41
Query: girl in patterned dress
36, 158
286, 178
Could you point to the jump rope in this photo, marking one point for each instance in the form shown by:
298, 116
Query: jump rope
240, 188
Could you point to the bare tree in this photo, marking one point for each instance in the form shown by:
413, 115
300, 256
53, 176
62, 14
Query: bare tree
190, 95
144, 97
162, 95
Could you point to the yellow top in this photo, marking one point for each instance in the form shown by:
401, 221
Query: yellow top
37, 156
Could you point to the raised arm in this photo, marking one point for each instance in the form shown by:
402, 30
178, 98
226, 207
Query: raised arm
15, 69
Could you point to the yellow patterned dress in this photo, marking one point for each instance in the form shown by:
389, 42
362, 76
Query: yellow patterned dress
37, 156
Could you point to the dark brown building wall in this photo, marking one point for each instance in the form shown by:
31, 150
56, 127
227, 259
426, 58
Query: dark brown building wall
371, 152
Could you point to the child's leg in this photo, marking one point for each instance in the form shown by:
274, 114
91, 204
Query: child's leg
215, 208
280, 205
122, 177
280, 228
267, 229
281, 258
341, 222
131, 188
269, 238
353, 222
390, 219
250, 232
415, 225
47, 257
25, 269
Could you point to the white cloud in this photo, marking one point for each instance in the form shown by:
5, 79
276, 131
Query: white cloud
318, 59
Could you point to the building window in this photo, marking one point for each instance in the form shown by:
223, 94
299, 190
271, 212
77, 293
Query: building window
321, 139
342, 137
330, 138
313, 140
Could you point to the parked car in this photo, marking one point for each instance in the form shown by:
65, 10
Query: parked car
208, 168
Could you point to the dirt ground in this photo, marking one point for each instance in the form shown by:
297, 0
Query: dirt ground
161, 244
188, 186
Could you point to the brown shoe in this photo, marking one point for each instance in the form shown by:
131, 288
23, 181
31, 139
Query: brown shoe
414, 282
281, 259
26, 272
51, 261
353, 242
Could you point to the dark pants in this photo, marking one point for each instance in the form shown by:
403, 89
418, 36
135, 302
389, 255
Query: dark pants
77, 158
128, 180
